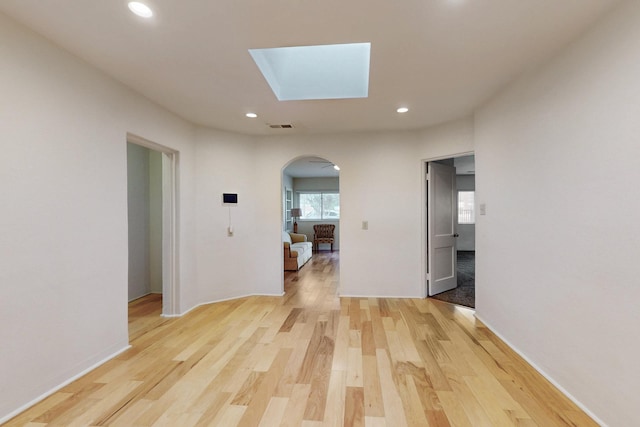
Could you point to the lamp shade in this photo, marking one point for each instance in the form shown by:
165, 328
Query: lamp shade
296, 212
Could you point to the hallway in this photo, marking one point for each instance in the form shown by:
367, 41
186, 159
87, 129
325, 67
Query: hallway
309, 359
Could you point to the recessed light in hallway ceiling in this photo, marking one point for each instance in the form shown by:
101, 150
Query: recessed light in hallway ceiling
140, 9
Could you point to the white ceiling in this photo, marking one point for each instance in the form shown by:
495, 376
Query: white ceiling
311, 167
440, 58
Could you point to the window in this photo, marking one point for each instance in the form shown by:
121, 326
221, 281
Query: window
466, 210
288, 204
319, 205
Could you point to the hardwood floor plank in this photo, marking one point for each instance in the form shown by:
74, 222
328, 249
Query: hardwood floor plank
374, 422
413, 408
472, 407
354, 314
231, 416
290, 320
309, 359
393, 408
69, 408
289, 379
45, 410
368, 339
245, 394
453, 409
354, 407
55, 406
215, 401
341, 350
494, 410
275, 412
296, 406
432, 367
354, 367
317, 400
264, 390
377, 328
373, 403
312, 354
334, 409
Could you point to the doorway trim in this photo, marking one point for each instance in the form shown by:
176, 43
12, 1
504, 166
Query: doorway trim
425, 210
170, 231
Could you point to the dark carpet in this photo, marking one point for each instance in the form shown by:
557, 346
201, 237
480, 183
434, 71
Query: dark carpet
465, 293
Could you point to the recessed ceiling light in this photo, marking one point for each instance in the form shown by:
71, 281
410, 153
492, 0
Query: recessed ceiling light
140, 9
402, 110
251, 115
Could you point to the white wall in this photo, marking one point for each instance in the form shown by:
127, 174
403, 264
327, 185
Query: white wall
231, 266
386, 260
63, 228
557, 252
155, 222
138, 220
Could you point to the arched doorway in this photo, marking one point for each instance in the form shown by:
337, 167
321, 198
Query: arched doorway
311, 196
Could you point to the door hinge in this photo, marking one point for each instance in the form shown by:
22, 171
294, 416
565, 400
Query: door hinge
427, 176
428, 276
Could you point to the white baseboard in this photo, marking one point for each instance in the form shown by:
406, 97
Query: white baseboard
543, 373
222, 300
138, 297
380, 296
43, 396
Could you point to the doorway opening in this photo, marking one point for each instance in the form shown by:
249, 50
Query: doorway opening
311, 205
450, 229
152, 222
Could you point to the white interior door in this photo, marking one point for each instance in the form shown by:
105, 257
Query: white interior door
441, 245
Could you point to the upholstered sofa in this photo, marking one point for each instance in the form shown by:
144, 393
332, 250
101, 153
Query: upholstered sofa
297, 251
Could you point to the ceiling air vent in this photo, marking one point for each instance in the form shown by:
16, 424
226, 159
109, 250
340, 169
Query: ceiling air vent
287, 126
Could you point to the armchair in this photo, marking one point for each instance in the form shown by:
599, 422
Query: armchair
323, 233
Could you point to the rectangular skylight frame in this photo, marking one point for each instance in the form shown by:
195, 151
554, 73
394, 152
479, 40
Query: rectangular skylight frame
337, 71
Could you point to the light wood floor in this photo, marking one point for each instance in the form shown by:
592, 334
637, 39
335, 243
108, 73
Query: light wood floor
310, 359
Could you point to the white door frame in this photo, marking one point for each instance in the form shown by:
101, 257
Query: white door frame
170, 253
425, 210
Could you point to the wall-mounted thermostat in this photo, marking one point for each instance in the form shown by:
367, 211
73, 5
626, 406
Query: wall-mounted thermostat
230, 198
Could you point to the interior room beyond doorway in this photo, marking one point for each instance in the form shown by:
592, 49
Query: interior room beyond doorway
144, 193
464, 292
312, 184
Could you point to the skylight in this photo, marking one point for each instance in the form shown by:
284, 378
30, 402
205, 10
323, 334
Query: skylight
316, 72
